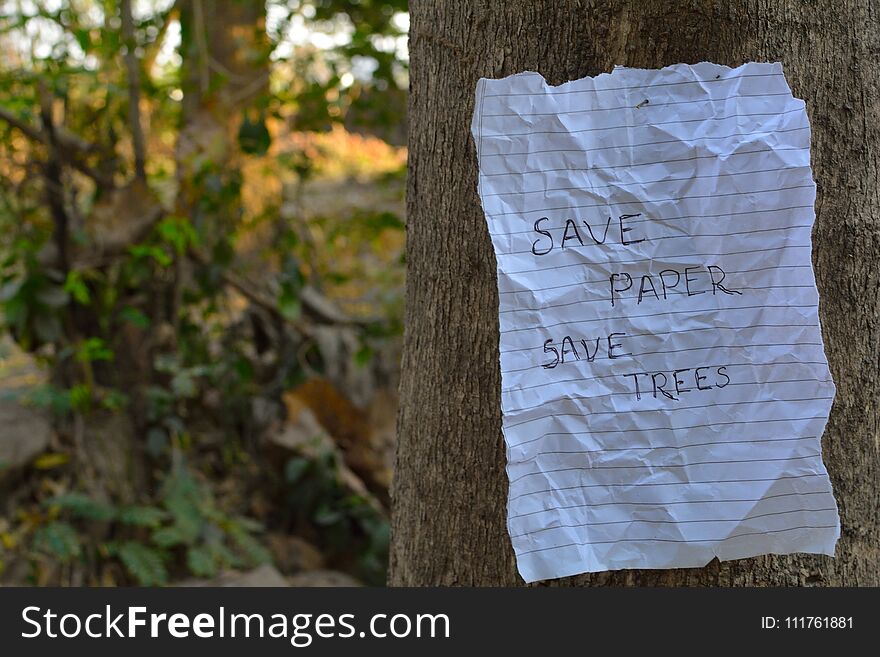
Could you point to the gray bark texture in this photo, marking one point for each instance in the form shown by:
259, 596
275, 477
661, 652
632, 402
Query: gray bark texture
449, 519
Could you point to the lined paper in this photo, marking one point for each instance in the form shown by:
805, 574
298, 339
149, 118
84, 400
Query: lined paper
664, 381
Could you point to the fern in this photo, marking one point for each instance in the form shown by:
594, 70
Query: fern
58, 539
142, 516
186, 523
201, 561
82, 506
182, 496
249, 546
168, 537
223, 555
144, 563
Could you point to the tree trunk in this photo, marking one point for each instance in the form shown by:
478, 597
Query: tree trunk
450, 491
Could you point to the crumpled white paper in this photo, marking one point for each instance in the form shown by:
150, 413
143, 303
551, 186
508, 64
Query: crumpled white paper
664, 383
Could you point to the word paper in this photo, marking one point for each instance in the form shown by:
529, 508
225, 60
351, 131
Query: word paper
664, 383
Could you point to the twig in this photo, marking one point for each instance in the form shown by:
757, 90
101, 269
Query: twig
15, 122
67, 145
54, 184
66, 139
251, 293
134, 91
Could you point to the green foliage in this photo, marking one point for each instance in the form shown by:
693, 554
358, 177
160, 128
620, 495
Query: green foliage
201, 561
295, 469
178, 232
58, 539
76, 287
92, 349
79, 397
361, 77
349, 523
203, 531
84, 507
291, 282
31, 301
135, 317
142, 516
154, 325
143, 252
184, 527
145, 564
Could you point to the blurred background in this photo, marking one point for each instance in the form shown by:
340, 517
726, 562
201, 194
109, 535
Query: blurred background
201, 278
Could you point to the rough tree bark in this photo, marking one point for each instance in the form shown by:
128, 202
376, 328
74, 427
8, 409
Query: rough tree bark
450, 488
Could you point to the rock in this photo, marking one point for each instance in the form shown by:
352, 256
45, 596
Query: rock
293, 554
265, 575
25, 433
322, 578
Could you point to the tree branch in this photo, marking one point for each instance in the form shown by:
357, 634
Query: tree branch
29, 131
251, 293
134, 91
54, 184
66, 139
67, 145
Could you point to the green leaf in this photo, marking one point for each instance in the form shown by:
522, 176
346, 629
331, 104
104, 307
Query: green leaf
144, 563
80, 397
289, 305
134, 316
224, 556
169, 537
201, 562
83, 38
363, 356
93, 349
178, 232
250, 546
58, 539
77, 288
142, 516
51, 397
182, 497
114, 400
143, 251
83, 506
295, 469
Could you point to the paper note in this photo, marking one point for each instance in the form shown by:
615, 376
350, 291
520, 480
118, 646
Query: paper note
664, 382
